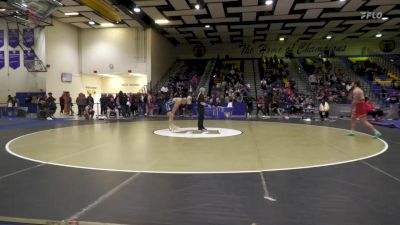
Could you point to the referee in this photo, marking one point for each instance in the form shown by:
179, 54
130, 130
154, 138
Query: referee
200, 108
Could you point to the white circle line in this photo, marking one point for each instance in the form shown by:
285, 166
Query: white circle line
199, 172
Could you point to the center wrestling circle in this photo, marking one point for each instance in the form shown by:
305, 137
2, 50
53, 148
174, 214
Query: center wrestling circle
192, 132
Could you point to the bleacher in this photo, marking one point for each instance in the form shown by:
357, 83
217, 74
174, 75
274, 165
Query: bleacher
379, 78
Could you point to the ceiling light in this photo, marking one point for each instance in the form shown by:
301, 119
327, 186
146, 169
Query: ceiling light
2, 10
136, 10
107, 24
207, 26
385, 18
197, 6
161, 21
269, 2
378, 35
329, 37
342, 0
92, 23
281, 38
71, 14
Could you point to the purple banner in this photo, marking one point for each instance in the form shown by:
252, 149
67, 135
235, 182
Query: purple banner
13, 38
1, 38
14, 59
2, 60
29, 37
29, 58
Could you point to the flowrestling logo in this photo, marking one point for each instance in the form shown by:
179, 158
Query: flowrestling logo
371, 15
192, 132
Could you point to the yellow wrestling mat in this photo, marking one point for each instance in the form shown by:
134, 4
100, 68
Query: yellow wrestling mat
227, 147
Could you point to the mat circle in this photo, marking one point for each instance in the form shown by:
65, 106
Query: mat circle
191, 132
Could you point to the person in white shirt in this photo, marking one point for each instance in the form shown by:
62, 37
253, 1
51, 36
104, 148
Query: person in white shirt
189, 104
324, 110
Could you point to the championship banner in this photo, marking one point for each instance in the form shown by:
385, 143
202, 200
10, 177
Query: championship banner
29, 58
29, 37
2, 59
13, 37
14, 59
1, 38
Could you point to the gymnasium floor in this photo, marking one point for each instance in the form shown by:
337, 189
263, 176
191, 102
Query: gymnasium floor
262, 172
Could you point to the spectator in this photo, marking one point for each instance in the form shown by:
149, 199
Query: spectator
10, 105
15, 101
394, 106
42, 109
103, 104
149, 105
68, 104
90, 100
9, 101
62, 102
112, 108
312, 79
260, 105
89, 112
376, 114
324, 110
122, 103
189, 104
81, 103
275, 108
51, 105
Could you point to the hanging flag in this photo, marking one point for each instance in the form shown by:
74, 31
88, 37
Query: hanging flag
14, 59
2, 62
29, 59
29, 37
13, 37
1, 38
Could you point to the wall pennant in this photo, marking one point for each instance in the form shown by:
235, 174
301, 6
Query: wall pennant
2, 60
14, 59
29, 37
13, 38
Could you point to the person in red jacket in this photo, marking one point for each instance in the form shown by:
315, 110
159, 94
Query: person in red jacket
260, 105
371, 111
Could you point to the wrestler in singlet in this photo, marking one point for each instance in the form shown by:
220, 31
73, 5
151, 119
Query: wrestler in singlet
360, 108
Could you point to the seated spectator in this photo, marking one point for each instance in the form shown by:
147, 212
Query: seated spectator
43, 110
324, 110
371, 111
394, 102
9, 101
89, 112
10, 104
230, 103
275, 108
112, 108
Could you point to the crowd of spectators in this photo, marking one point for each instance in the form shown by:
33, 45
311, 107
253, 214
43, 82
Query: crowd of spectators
372, 71
185, 81
227, 85
368, 69
280, 95
328, 83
